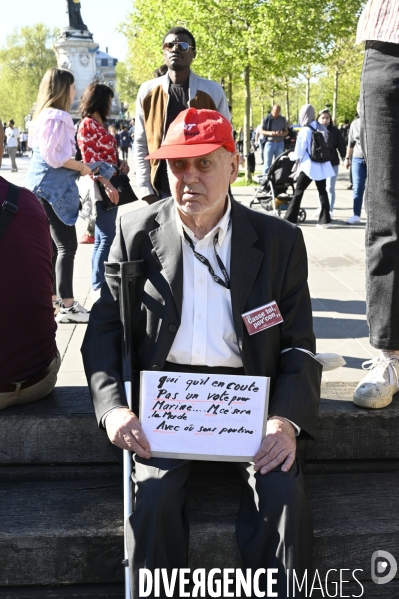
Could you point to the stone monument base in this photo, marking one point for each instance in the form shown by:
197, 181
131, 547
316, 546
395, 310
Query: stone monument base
76, 51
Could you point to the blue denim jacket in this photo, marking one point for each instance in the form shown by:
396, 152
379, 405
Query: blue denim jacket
58, 185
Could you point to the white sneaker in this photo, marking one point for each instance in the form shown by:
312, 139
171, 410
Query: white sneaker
95, 294
324, 226
379, 384
76, 313
353, 220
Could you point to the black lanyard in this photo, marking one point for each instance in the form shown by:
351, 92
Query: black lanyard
201, 258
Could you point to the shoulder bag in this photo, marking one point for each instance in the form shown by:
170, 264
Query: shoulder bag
121, 182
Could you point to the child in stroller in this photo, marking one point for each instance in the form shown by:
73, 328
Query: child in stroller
273, 191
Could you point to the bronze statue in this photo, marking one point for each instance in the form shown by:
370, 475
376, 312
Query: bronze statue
75, 18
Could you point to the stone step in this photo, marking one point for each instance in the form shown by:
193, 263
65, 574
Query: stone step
61, 532
31, 473
78, 591
116, 591
354, 515
71, 532
69, 472
346, 432
61, 429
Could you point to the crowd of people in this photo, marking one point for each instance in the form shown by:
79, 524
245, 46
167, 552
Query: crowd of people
274, 136
206, 261
123, 132
16, 141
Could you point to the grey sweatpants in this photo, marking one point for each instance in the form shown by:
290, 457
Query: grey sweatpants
12, 152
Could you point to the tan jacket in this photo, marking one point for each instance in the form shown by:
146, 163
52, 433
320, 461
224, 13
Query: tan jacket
151, 110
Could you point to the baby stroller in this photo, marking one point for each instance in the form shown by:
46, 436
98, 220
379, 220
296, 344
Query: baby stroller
276, 189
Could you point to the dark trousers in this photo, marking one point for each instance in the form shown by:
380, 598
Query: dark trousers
262, 143
359, 175
379, 113
274, 524
65, 245
125, 152
302, 184
104, 234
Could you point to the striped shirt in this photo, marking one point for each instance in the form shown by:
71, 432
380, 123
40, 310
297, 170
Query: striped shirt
379, 21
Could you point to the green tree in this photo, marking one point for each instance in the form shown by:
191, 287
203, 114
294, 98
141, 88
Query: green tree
247, 42
344, 65
24, 59
127, 87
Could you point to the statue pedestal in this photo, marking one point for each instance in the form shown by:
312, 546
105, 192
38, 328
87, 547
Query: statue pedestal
76, 51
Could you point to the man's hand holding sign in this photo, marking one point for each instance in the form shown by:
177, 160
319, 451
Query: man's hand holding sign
223, 297
278, 446
231, 415
124, 430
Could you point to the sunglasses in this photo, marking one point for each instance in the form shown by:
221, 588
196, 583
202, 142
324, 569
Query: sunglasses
181, 46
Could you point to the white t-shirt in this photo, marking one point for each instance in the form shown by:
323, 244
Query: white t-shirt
12, 136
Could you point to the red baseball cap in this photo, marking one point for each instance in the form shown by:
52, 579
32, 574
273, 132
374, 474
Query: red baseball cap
195, 133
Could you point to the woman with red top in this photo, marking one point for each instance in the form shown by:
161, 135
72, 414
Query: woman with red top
97, 144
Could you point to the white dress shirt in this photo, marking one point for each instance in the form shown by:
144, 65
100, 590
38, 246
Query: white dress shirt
206, 336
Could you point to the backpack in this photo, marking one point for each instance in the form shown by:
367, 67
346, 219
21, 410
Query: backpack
320, 149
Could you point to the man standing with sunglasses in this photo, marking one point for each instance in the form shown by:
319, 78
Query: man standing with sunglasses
160, 100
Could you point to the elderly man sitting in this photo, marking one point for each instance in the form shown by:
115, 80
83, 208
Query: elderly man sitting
208, 260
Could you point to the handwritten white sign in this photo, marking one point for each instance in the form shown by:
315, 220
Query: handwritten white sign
204, 416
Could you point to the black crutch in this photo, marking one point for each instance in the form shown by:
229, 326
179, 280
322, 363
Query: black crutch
126, 274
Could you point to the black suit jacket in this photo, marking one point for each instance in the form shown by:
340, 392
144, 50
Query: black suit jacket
268, 262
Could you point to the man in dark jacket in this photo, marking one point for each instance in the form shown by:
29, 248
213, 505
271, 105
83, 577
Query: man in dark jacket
124, 142
207, 260
344, 130
274, 129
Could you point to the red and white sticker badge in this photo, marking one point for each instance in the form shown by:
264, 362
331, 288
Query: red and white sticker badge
262, 318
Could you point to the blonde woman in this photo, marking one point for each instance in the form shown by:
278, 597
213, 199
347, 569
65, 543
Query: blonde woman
52, 178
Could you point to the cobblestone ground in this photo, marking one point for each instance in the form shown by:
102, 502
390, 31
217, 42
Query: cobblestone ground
336, 280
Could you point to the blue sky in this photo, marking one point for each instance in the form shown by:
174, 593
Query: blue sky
101, 17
